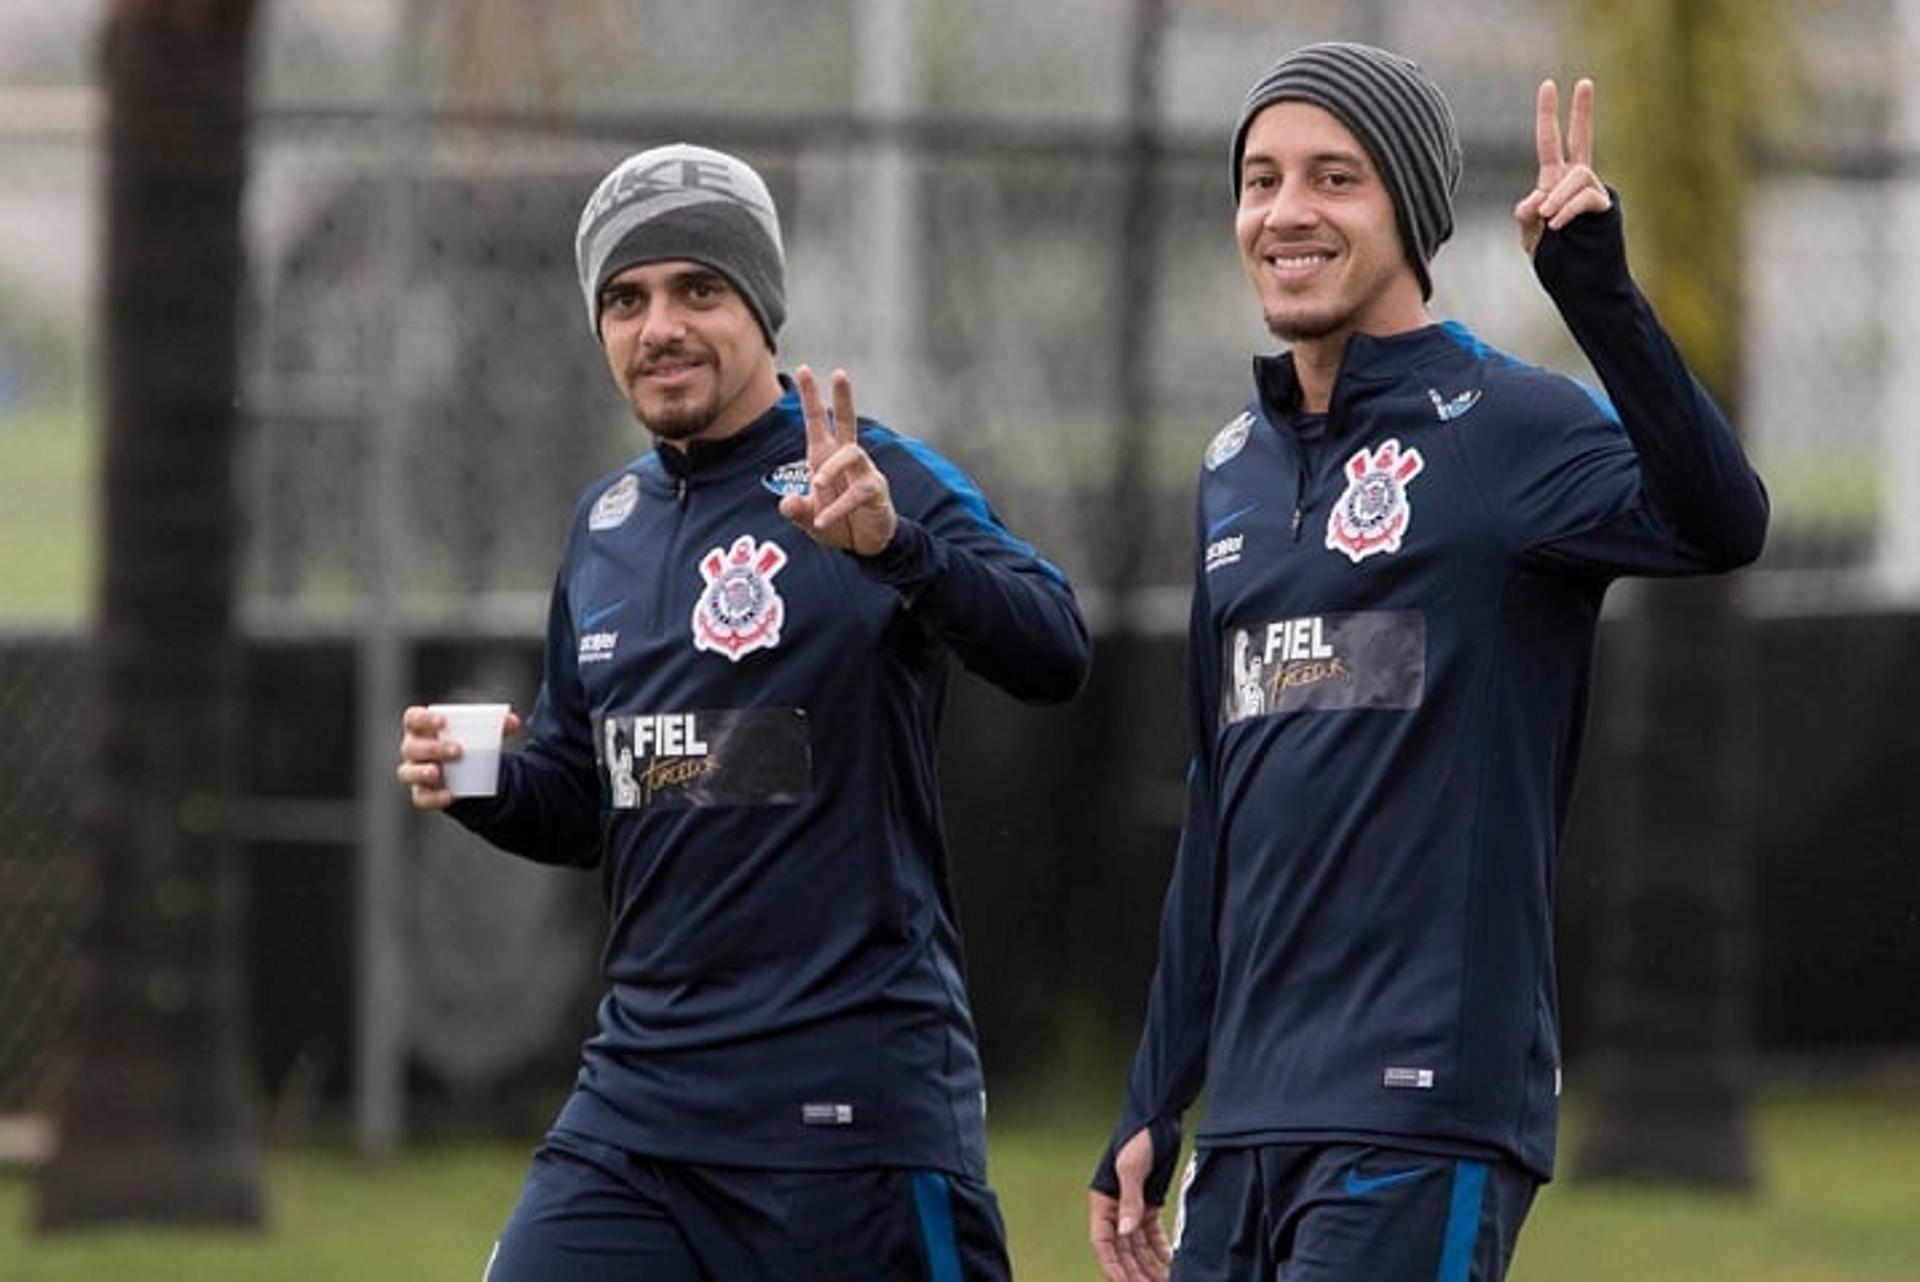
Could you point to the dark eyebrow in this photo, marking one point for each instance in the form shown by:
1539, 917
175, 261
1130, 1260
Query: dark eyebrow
1318, 158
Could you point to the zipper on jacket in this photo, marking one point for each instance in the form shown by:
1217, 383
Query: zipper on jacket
1300, 490
680, 491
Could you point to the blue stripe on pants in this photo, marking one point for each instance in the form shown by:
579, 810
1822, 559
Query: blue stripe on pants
1463, 1221
936, 1226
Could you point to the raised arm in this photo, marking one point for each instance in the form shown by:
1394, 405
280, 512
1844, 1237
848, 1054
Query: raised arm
1699, 506
914, 521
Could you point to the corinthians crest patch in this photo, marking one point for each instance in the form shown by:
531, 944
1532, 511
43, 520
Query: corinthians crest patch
1372, 513
740, 610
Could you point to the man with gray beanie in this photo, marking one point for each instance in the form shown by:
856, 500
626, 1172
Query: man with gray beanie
747, 656
1402, 543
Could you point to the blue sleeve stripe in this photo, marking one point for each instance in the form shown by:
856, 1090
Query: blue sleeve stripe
933, 1200
961, 486
1463, 1222
1468, 339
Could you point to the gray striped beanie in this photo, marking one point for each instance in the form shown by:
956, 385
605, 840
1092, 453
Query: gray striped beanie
1399, 115
685, 202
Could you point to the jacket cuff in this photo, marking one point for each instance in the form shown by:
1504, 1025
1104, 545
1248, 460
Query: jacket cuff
1589, 254
912, 559
1166, 1159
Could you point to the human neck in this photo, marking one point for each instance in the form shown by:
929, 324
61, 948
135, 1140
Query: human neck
1316, 361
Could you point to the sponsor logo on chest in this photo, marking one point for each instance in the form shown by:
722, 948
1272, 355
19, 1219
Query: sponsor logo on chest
1323, 662
788, 478
597, 644
652, 753
1224, 552
705, 758
597, 647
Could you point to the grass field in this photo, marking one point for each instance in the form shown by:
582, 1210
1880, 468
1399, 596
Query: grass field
46, 514
1841, 1204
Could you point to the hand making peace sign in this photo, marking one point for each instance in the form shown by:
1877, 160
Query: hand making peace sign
847, 505
1567, 186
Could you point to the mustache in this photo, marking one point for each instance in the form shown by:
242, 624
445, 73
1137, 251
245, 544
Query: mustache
676, 351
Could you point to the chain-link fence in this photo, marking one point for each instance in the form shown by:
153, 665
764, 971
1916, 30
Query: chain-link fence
45, 890
1009, 221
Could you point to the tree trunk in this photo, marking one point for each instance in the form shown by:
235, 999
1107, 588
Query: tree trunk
158, 1122
1674, 1065
1674, 1059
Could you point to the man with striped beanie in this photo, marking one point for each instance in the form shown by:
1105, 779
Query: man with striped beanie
1402, 543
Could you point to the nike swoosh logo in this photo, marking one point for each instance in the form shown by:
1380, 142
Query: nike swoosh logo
1359, 1185
604, 612
1230, 518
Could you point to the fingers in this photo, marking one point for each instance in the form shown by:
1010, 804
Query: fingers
813, 408
1139, 1243
847, 482
1578, 192
1527, 212
421, 752
1546, 126
1136, 1257
1102, 1211
1580, 125
797, 508
424, 721
846, 422
1567, 186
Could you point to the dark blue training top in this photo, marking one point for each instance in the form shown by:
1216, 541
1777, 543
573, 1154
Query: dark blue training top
1392, 631
738, 726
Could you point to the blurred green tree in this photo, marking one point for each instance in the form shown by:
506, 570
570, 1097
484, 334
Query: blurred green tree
1684, 86
159, 1121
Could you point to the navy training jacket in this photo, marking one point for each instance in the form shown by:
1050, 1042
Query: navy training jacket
739, 727
1391, 638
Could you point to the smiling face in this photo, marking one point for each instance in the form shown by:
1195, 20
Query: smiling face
1317, 233
686, 350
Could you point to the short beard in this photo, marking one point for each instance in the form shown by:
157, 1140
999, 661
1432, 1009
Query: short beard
680, 422
1305, 329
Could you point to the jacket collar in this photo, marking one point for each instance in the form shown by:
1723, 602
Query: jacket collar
752, 446
1370, 364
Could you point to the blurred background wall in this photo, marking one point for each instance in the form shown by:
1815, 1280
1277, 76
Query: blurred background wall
1011, 223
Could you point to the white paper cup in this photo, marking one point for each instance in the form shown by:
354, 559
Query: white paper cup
477, 728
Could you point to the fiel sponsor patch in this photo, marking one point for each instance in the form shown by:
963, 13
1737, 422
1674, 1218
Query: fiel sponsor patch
704, 759
740, 610
1373, 512
1324, 662
615, 504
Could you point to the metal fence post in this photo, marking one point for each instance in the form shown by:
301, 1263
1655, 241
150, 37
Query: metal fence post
889, 94
1898, 554
381, 997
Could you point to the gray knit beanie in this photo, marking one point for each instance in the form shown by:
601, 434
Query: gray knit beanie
1399, 115
685, 202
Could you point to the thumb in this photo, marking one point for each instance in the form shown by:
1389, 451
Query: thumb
1131, 1168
